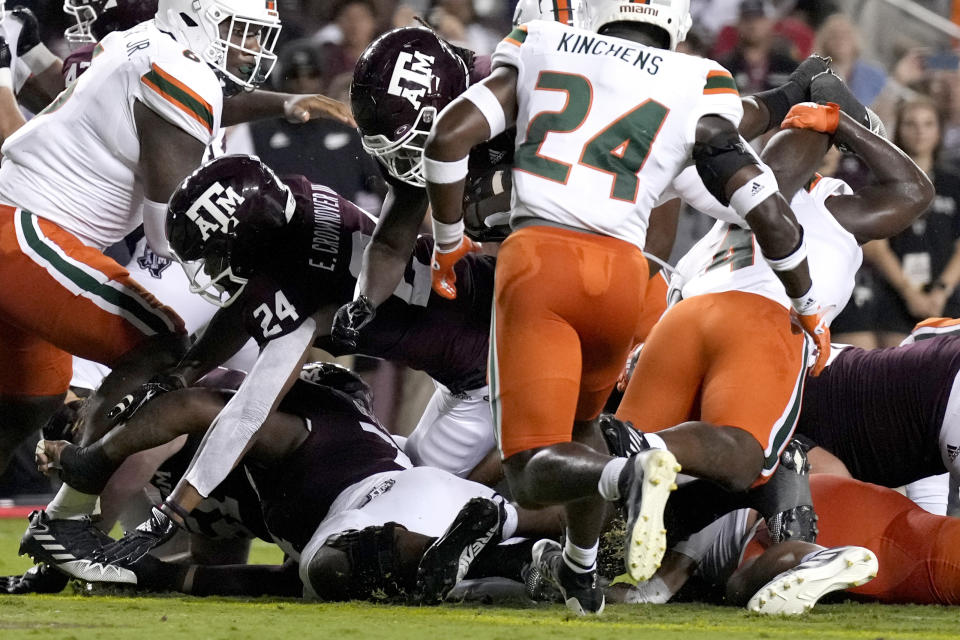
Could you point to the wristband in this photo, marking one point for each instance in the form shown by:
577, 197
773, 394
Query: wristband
175, 508
755, 191
38, 59
790, 261
444, 233
806, 304
440, 172
484, 100
6, 78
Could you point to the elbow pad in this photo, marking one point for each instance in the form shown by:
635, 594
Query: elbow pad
719, 159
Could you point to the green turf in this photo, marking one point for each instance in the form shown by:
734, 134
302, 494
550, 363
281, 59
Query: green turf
72, 615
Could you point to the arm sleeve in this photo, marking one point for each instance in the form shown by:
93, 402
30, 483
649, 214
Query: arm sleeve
508, 52
186, 95
242, 417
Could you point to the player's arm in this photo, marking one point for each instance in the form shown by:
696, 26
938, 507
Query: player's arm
257, 105
484, 110
766, 110
46, 79
167, 155
662, 232
735, 177
10, 117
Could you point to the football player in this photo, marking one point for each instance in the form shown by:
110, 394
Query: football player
104, 156
323, 466
29, 72
280, 267
571, 276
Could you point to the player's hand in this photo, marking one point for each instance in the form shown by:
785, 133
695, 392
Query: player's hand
129, 549
30, 34
350, 319
818, 117
811, 318
828, 88
303, 108
806, 70
131, 403
444, 277
40, 578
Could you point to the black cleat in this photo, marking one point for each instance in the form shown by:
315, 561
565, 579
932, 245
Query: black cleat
622, 438
446, 562
69, 546
645, 485
40, 578
581, 592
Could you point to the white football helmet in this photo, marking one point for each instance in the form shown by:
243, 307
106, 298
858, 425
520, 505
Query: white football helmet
673, 16
567, 11
197, 24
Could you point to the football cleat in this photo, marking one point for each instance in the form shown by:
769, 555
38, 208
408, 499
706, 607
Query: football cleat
446, 562
646, 482
548, 573
796, 591
67, 545
40, 578
622, 438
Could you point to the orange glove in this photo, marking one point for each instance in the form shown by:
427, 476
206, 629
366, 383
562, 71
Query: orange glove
443, 276
810, 115
814, 325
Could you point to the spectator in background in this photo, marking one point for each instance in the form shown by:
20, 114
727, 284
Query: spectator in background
757, 62
354, 26
839, 38
326, 152
918, 270
456, 21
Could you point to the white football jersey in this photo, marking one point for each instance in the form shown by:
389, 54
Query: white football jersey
728, 258
10, 29
604, 124
77, 162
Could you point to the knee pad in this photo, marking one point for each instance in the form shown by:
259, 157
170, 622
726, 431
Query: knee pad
785, 501
358, 565
719, 159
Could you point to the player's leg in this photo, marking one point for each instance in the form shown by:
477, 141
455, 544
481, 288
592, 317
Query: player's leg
455, 432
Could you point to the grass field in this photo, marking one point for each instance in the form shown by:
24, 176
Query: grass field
78, 615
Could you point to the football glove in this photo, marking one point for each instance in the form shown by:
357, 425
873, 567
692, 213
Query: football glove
810, 317
444, 278
808, 69
828, 88
350, 319
129, 549
30, 33
131, 403
818, 117
40, 578
4, 53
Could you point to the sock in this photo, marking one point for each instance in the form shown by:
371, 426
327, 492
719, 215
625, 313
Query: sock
580, 560
510, 524
609, 485
70, 504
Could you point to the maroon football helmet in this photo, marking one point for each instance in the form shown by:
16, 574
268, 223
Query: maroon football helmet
400, 84
97, 18
218, 218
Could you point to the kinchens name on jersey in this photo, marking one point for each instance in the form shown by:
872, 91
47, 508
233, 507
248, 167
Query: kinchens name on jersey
602, 117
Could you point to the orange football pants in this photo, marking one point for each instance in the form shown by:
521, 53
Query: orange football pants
567, 306
61, 297
730, 359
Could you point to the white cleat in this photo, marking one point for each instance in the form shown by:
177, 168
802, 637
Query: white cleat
656, 470
796, 591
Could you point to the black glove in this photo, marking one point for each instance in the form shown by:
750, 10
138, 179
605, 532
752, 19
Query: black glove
350, 319
4, 53
129, 549
30, 34
803, 75
828, 87
484, 195
40, 578
131, 403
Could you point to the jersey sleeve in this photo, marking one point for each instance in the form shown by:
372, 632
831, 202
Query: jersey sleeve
508, 52
719, 95
186, 94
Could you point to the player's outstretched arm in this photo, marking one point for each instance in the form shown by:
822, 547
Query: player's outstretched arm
257, 105
10, 117
766, 110
484, 110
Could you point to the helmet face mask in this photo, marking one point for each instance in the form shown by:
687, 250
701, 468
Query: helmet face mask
85, 13
220, 31
221, 209
96, 18
673, 16
400, 84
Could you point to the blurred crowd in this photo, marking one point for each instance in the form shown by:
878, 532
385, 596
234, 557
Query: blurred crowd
906, 72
